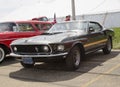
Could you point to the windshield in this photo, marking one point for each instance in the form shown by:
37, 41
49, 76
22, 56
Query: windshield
6, 27
68, 26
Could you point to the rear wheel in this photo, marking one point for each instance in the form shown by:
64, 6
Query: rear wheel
27, 65
73, 58
108, 47
2, 54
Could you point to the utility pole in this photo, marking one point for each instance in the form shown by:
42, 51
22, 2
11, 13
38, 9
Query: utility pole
73, 9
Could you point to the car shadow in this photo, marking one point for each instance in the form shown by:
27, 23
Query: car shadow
54, 72
8, 60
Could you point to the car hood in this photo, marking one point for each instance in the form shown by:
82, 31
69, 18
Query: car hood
49, 38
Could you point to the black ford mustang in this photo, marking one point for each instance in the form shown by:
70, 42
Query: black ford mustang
68, 40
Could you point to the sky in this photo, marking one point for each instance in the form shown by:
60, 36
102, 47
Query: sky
9, 6
25, 9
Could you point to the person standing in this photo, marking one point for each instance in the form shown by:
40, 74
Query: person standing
67, 18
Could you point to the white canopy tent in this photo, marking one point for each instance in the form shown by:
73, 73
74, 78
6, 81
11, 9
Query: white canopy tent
85, 9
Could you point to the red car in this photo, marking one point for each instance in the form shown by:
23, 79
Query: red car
10, 31
43, 18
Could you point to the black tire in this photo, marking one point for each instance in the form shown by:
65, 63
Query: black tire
2, 54
27, 65
108, 47
73, 59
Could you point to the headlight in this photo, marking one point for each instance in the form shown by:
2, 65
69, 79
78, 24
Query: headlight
45, 48
15, 48
60, 47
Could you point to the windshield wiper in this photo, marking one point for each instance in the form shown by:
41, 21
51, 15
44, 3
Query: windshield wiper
57, 32
51, 33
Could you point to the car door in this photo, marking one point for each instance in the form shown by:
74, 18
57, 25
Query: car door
96, 36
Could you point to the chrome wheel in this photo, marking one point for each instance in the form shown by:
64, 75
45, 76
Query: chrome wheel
73, 58
2, 54
76, 57
108, 47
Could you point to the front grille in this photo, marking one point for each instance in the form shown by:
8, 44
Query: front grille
30, 49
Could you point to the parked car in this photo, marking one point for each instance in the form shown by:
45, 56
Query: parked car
10, 31
42, 18
68, 40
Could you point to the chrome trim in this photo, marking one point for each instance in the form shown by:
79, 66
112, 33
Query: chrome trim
50, 48
51, 55
33, 45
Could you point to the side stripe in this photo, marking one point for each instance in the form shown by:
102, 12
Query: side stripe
94, 43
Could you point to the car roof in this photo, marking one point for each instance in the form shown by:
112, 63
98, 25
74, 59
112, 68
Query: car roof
28, 21
73, 21
77, 21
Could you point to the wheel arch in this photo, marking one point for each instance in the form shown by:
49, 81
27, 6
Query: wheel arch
7, 50
80, 45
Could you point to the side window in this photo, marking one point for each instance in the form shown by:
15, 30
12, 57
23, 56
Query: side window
43, 26
6, 27
38, 26
84, 26
43, 19
25, 27
95, 26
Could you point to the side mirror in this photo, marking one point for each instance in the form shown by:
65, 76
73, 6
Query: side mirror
91, 29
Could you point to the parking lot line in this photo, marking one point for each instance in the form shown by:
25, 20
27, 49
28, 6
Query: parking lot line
100, 76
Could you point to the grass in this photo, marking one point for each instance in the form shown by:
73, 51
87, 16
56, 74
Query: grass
116, 40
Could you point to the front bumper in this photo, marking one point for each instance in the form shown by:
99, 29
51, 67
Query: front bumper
38, 56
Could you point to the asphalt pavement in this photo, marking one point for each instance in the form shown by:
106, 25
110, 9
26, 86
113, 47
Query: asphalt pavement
97, 70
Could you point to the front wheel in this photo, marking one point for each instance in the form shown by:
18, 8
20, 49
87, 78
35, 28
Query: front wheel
108, 47
27, 65
2, 54
73, 58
